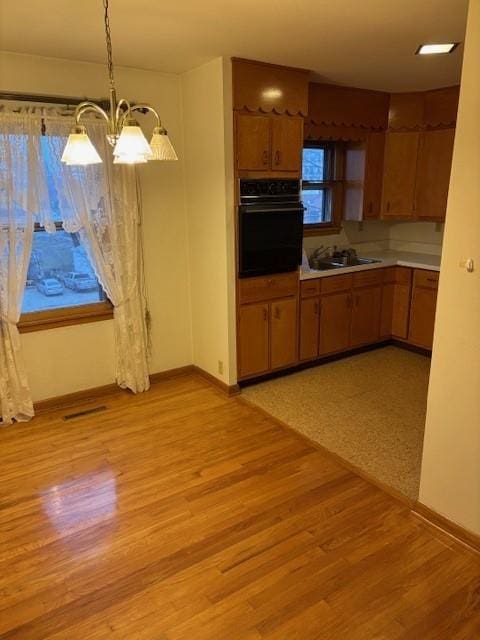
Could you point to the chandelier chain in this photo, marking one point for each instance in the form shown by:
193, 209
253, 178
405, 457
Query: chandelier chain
109, 45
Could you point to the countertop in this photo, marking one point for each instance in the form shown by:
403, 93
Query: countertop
386, 259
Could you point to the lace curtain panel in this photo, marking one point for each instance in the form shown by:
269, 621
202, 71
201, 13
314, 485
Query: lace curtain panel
18, 199
101, 203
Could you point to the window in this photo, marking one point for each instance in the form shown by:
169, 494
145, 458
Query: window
321, 190
61, 287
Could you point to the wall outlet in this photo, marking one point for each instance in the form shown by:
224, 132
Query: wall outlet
220, 367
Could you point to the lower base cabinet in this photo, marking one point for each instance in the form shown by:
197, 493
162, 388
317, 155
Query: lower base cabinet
423, 307
335, 315
396, 294
283, 333
253, 325
365, 328
309, 319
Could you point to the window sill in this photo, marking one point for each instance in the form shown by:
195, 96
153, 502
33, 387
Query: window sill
42, 320
321, 230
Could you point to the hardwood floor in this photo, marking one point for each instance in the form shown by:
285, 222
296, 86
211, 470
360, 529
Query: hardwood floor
183, 514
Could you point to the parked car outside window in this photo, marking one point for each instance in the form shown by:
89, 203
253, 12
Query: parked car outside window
80, 281
50, 287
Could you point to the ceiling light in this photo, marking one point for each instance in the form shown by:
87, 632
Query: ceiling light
162, 148
124, 133
79, 150
432, 49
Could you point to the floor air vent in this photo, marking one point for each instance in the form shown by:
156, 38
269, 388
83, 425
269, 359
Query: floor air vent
87, 412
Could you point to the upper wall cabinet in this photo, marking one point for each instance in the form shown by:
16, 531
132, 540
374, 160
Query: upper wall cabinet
269, 144
399, 174
433, 173
269, 88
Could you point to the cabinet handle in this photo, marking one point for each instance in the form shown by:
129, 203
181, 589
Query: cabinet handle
432, 280
277, 157
316, 308
276, 313
265, 315
265, 157
388, 205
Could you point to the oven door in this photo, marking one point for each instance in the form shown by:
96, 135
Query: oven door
270, 238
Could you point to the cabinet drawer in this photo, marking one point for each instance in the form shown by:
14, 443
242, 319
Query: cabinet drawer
426, 279
368, 278
310, 288
268, 287
333, 284
397, 275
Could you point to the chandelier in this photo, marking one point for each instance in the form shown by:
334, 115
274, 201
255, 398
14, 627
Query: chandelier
124, 133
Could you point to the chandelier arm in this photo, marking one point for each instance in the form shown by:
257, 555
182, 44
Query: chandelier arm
147, 107
120, 113
84, 107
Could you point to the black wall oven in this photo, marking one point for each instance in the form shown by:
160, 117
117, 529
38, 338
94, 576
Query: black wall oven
270, 223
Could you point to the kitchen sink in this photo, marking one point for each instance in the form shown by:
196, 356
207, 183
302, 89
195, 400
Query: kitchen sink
338, 263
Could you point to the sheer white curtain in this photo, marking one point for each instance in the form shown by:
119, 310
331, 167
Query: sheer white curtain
20, 194
101, 203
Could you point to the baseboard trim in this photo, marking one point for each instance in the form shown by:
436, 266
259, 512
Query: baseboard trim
433, 519
393, 493
87, 395
229, 390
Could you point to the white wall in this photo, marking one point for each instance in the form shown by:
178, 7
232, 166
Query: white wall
208, 130
419, 237
69, 359
450, 478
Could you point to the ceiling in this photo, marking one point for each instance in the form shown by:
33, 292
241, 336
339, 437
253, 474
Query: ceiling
363, 43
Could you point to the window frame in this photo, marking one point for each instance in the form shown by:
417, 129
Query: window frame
332, 185
64, 316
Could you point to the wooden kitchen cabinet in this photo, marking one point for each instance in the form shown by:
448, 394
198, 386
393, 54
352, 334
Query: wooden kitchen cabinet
283, 333
423, 307
433, 173
309, 328
396, 294
399, 174
365, 325
253, 142
372, 190
335, 318
287, 143
269, 144
253, 327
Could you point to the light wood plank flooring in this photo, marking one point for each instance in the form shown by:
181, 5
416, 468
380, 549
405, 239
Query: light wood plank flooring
183, 514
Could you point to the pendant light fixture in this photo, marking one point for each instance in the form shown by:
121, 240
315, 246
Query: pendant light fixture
124, 133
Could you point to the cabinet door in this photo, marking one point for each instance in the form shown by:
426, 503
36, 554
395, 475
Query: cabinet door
399, 174
372, 195
253, 339
309, 321
287, 143
422, 317
335, 316
395, 310
253, 142
433, 173
283, 336
366, 316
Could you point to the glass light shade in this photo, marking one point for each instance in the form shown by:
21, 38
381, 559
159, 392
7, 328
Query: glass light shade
79, 150
132, 142
162, 148
130, 159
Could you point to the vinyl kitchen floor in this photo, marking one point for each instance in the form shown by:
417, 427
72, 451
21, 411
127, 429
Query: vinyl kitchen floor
369, 409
